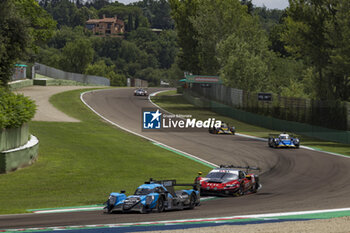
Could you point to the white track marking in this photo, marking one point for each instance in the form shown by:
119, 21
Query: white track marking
140, 135
249, 136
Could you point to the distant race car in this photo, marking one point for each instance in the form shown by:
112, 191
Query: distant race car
223, 129
154, 196
140, 92
283, 140
229, 180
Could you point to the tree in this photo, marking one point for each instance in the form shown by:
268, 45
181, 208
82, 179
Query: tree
23, 26
244, 63
318, 32
101, 69
14, 38
98, 4
169, 50
64, 35
338, 36
130, 25
151, 75
76, 56
39, 23
157, 13
214, 21
181, 12
107, 46
249, 5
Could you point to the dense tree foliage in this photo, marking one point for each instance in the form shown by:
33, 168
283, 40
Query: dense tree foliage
318, 32
302, 51
23, 26
65, 12
14, 39
157, 13
77, 55
140, 51
181, 12
213, 23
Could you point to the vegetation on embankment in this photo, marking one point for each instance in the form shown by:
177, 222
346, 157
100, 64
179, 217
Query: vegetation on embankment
81, 163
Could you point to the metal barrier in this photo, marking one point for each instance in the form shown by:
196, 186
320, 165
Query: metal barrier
270, 122
59, 74
327, 114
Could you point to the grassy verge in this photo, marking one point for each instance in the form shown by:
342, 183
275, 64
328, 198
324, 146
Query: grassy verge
60, 82
176, 104
81, 163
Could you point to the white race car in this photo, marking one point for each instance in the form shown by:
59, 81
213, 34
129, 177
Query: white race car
140, 92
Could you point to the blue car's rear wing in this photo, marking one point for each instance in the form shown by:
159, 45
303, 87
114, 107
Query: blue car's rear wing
171, 183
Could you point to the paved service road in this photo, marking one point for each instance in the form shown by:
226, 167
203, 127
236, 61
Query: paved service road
293, 180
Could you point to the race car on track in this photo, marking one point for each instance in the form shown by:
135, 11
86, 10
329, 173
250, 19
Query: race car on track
223, 129
154, 196
140, 92
283, 140
228, 180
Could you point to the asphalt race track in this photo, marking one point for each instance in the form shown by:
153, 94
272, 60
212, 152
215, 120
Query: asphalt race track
293, 180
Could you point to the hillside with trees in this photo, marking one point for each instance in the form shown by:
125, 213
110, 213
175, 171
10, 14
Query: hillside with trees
302, 51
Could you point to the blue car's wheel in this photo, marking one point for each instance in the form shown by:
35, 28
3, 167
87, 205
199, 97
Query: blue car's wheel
193, 200
160, 205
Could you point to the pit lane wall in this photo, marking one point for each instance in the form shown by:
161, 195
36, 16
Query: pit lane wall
17, 148
269, 122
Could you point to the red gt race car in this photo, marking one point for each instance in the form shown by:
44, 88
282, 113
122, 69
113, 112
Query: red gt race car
229, 180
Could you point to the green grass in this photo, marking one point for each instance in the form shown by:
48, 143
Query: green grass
81, 163
176, 104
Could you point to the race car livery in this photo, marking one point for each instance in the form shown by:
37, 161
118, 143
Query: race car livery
283, 140
140, 92
223, 129
154, 196
229, 180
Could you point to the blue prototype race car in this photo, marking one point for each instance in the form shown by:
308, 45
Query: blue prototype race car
283, 140
154, 196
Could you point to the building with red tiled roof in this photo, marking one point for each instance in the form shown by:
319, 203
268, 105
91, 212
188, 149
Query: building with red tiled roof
105, 26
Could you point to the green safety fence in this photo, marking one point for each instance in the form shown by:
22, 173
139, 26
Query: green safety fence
270, 122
